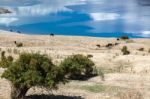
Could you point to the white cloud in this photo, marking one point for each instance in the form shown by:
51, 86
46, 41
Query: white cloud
39, 10
145, 33
104, 16
45, 7
7, 21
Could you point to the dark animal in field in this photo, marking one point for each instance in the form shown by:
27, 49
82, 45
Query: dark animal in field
98, 45
109, 45
51, 34
11, 30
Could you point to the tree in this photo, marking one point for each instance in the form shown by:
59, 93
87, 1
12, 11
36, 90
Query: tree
77, 66
33, 69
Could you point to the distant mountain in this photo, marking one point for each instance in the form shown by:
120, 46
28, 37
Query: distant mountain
4, 11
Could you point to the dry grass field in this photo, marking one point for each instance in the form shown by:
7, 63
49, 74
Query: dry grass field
125, 76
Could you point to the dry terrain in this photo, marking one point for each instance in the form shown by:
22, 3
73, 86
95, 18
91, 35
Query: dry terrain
125, 76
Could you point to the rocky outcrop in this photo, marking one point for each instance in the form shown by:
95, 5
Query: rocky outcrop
4, 11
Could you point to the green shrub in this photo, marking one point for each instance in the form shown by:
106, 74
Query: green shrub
15, 51
89, 56
5, 61
149, 50
125, 37
33, 70
19, 44
9, 50
77, 67
141, 49
125, 50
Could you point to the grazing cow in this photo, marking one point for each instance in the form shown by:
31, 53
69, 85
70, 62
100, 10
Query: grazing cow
109, 45
52, 34
11, 30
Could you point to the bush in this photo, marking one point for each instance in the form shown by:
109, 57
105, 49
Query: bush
5, 61
89, 56
33, 70
77, 67
124, 37
149, 51
18, 44
141, 49
125, 50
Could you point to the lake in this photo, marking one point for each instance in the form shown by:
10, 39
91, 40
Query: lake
98, 18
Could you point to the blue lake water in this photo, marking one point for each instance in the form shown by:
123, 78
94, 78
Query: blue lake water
100, 18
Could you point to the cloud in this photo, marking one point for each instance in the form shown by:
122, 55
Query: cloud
39, 10
40, 7
104, 16
7, 21
25, 9
145, 33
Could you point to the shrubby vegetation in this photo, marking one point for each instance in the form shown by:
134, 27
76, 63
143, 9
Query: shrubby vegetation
124, 37
18, 44
149, 50
141, 49
5, 61
125, 50
77, 67
33, 69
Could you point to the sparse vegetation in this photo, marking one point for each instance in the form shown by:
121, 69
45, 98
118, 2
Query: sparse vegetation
141, 49
9, 50
18, 44
15, 51
5, 61
130, 94
125, 50
125, 37
123, 66
149, 51
101, 88
89, 56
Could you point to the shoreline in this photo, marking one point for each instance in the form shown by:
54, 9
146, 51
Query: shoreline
65, 35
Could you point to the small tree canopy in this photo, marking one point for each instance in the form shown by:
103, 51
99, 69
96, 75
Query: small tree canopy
77, 66
33, 70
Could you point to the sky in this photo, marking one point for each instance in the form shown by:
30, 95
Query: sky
134, 14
